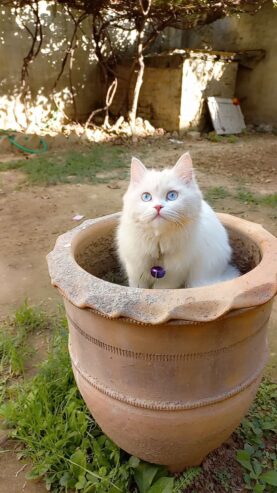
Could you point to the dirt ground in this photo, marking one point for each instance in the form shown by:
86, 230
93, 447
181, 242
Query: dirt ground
33, 217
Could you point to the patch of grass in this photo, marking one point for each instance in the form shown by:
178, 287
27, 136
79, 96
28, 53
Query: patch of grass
214, 137
242, 194
14, 346
67, 448
74, 167
258, 432
13, 338
224, 477
70, 452
249, 197
232, 139
216, 193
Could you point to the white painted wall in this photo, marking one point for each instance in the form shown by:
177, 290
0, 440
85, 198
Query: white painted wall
257, 88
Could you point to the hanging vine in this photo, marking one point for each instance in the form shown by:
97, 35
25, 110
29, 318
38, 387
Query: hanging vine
69, 56
146, 18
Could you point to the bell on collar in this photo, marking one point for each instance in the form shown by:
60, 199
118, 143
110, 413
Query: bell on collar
157, 271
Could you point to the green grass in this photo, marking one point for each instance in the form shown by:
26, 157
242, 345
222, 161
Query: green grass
248, 197
74, 167
214, 137
216, 193
15, 348
14, 335
258, 432
69, 451
67, 448
242, 195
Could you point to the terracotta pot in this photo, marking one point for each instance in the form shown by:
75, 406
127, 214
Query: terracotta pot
167, 374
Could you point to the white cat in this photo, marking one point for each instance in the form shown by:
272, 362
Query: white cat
165, 223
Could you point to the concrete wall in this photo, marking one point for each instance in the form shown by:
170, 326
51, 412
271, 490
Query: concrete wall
203, 78
57, 30
160, 97
175, 88
14, 46
256, 88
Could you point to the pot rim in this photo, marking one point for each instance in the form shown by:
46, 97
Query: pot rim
157, 306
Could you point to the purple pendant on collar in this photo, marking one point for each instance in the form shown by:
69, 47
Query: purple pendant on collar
157, 271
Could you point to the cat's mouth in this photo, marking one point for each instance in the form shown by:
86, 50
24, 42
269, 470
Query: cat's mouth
158, 216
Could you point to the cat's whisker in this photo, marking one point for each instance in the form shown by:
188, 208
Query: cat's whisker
173, 216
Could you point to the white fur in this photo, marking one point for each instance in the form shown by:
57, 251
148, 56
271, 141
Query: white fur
187, 239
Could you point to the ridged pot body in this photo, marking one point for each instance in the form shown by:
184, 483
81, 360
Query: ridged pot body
168, 374
169, 393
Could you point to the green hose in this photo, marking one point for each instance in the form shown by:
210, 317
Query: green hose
42, 143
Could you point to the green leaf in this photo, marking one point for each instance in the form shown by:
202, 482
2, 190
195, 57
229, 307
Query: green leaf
38, 471
134, 462
65, 479
144, 476
257, 467
79, 461
249, 448
163, 485
82, 483
270, 477
269, 425
244, 458
258, 488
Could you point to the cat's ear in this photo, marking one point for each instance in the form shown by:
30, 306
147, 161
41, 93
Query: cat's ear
184, 168
137, 170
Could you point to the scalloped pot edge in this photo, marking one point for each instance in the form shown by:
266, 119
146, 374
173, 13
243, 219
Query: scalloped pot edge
157, 306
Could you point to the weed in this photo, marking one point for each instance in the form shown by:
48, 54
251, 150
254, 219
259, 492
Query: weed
232, 139
269, 200
224, 478
216, 193
258, 457
14, 346
67, 448
73, 167
29, 318
187, 479
249, 198
214, 137
70, 452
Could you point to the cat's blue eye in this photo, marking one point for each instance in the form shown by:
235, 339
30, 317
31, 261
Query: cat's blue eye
172, 195
146, 196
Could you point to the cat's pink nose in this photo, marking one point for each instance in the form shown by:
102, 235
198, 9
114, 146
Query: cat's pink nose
158, 208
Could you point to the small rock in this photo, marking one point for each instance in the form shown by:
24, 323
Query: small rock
78, 217
148, 127
98, 135
118, 123
139, 121
175, 141
175, 135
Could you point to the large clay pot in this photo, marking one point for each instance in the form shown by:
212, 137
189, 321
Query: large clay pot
167, 374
